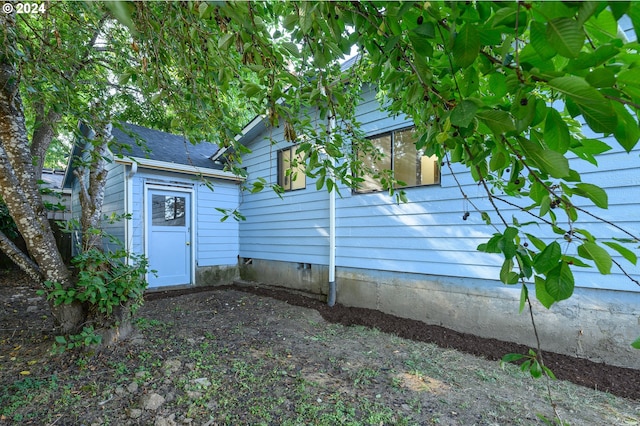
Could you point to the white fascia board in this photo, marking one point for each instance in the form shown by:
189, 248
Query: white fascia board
178, 168
249, 127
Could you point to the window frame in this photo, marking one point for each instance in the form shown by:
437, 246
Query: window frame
392, 149
286, 181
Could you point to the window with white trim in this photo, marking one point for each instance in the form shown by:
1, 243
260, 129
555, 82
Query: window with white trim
397, 152
291, 169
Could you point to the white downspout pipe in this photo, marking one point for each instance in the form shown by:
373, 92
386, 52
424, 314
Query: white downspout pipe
128, 229
331, 299
332, 225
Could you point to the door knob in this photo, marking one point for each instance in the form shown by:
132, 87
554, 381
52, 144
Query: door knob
188, 243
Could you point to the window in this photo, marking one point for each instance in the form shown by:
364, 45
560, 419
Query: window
167, 210
398, 153
291, 169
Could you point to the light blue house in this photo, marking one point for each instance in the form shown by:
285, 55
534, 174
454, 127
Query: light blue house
171, 189
418, 259
415, 260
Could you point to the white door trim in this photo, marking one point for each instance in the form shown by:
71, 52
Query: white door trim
145, 219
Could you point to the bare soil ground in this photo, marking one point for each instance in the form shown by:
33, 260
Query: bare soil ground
255, 355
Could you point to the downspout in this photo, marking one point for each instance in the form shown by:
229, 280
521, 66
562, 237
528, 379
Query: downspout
128, 229
332, 226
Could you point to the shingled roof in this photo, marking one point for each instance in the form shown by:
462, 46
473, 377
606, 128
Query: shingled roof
141, 142
154, 149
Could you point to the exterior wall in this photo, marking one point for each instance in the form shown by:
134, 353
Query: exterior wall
596, 324
114, 202
294, 229
216, 243
419, 259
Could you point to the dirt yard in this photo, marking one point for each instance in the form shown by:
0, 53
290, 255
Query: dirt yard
253, 355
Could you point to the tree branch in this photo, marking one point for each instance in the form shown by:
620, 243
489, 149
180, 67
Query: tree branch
18, 257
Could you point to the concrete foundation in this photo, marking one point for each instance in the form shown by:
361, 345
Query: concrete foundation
305, 277
595, 324
216, 275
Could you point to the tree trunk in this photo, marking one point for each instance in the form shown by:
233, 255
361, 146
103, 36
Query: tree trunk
92, 188
17, 256
19, 189
42, 136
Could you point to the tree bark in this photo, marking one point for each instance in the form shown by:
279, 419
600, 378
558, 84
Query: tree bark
42, 136
92, 188
18, 257
19, 189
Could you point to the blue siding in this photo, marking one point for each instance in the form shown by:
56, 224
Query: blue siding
114, 201
425, 235
294, 228
216, 242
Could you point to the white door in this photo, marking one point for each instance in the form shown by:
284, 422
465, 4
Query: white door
169, 237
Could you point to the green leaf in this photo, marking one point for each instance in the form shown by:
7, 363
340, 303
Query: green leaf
538, 243
124, 78
524, 295
225, 41
499, 122
251, 89
625, 252
421, 45
560, 283
630, 77
466, 46
539, 42
594, 193
292, 48
566, 36
636, 343
202, 9
427, 29
548, 258
498, 84
512, 357
600, 256
601, 119
491, 246
541, 293
575, 261
535, 370
507, 275
122, 11
627, 132
588, 148
601, 77
290, 21
548, 161
578, 90
556, 132
464, 113
498, 161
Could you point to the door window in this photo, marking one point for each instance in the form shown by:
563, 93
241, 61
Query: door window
168, 210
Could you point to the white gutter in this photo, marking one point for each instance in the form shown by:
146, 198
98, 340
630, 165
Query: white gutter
179, 168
